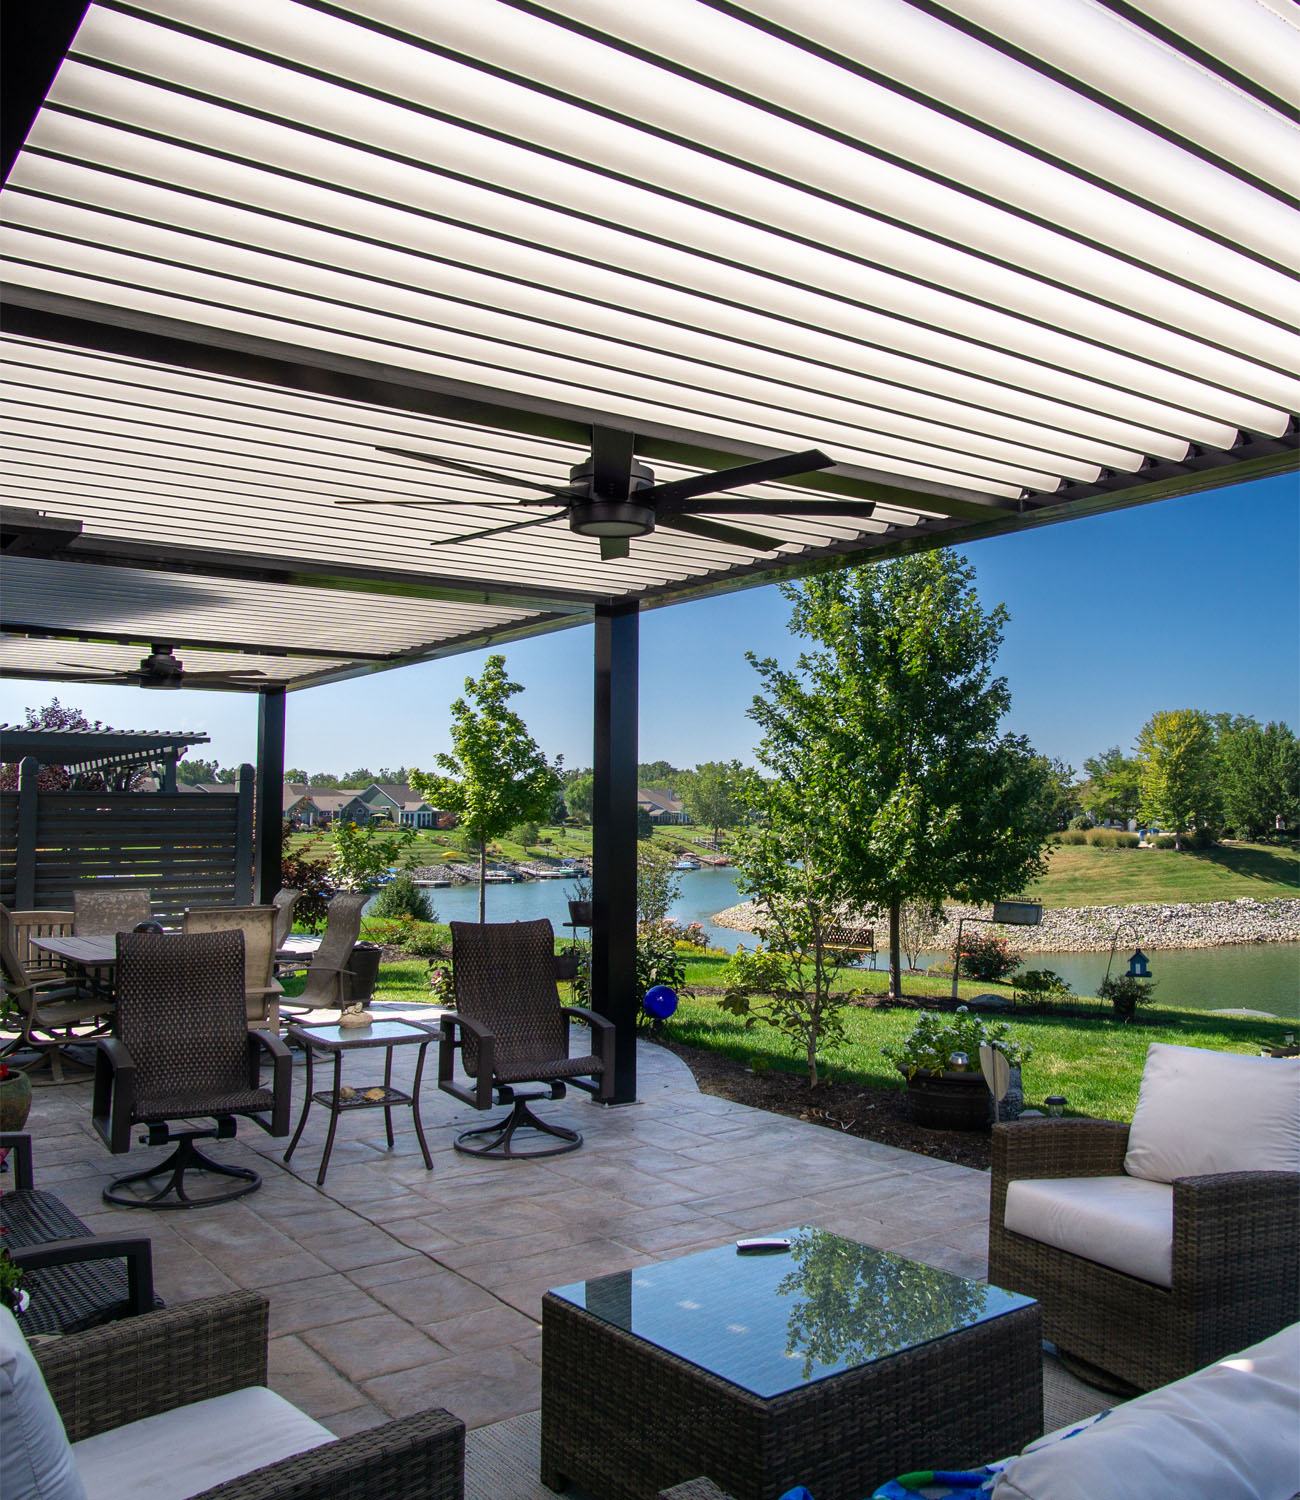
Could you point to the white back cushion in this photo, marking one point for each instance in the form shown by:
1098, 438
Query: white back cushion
1122, 1222
1200, 1112
190, 1449
1228, 1432
37, 1462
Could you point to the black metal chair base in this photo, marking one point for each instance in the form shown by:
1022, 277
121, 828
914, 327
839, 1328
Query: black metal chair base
175, 1191
500, 1135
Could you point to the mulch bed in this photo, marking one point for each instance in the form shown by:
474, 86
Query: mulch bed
851, 1108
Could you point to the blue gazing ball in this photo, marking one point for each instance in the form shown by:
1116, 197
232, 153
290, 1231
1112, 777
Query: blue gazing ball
660, 1002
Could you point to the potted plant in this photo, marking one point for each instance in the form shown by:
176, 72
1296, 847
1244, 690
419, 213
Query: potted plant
15, 1097
12, 1294
1125, 993
942, 1096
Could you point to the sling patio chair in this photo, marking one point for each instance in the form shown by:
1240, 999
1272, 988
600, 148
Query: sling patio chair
182, 1051
284, 901
1159, 1247
50, 1014
102, 911
24, 925
510, 1028
329, 979
261, 989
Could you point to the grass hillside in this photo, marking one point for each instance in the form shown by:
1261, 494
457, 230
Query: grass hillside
1082, 875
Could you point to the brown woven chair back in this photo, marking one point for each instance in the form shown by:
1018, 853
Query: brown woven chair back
504, 976
102, 912
284, 900
180, 1013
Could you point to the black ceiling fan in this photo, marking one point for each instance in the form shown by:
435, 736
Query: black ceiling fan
613, 498
162, 669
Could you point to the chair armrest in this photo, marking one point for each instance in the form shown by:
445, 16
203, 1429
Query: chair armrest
603, 1033
281, 1078
1232, 1217
138, 1255
19, 1142
1053, 1148
113, 1100
418, 1456
134, 1368
450, 1023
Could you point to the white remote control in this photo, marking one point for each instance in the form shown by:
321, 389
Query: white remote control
761, 1245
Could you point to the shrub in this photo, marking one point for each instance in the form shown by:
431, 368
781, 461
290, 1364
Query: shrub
1071, 836
1082, 821
401, 897
442, 990
310, 877
1110, 838
419, 939
524, 834
929, 1046
1165, 841
1040, 987
691, 933
1125, 994
986, 956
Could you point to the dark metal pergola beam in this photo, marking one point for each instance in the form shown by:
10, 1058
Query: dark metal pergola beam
131, 334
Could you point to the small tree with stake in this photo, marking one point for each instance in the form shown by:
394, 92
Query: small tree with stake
495, 776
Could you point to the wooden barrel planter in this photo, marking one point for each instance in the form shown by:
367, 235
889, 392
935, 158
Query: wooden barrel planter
949, 1101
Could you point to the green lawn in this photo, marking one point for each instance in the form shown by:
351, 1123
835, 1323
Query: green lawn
1080, 875
1096, 1064
431, 847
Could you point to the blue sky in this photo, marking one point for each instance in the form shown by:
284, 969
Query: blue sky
1188, 603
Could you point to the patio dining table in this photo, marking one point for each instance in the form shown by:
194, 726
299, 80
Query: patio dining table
94, 957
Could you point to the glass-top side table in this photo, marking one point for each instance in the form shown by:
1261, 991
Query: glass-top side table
340, 1039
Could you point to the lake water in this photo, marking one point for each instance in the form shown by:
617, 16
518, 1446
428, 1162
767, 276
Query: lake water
1255, 976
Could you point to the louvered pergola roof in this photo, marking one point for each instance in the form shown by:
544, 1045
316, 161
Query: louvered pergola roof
1005, 263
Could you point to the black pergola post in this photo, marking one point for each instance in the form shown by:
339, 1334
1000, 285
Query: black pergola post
613, 886
268, 813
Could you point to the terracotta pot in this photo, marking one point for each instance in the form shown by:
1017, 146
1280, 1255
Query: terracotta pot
949, 1101
15, 1100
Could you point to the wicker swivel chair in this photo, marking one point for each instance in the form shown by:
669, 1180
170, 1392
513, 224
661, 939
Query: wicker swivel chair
183, 1051
257, 923
51, 1012
101, 911
510, 1028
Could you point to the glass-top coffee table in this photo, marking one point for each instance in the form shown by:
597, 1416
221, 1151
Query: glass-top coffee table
832, 1365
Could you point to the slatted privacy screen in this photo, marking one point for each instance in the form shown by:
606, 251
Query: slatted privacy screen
186, 849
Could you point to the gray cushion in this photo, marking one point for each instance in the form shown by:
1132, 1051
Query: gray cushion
36, 1457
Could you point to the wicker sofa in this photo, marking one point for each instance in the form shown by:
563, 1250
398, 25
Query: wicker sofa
1232, 1274
166, 1362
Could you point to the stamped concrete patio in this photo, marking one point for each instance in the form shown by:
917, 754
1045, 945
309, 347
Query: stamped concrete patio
394, 1288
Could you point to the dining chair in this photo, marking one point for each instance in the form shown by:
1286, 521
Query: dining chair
102, 911
261, 989
50, 1012
24, 925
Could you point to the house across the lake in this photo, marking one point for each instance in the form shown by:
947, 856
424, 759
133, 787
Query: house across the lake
315, 807
662, 806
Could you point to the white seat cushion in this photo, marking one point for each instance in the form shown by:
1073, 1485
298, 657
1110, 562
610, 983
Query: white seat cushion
1123, 1222
190, 1449
1228, 1432
1200, 1111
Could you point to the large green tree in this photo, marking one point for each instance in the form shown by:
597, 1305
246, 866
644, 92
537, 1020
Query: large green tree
191, 772
889, 730
495, 776
1177, 770
1259, 777
1112, 792
714, 794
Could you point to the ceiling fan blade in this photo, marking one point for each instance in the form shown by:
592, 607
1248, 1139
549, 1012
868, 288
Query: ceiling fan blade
612, 548
473, 536
611, 456
231, 676
477, 504
93, 671
848, 510
462, 467
675, 491
733, 536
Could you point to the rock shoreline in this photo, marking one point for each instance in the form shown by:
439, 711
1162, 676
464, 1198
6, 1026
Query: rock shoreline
1089, 929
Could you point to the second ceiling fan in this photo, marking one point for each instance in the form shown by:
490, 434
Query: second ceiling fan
613, 498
